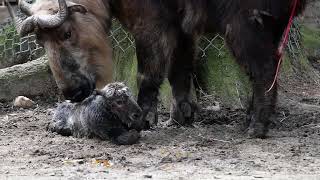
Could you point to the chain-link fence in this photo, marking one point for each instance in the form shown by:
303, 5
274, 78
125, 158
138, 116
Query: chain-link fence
294, 44
16, 50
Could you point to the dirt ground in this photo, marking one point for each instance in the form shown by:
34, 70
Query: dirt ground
215, 148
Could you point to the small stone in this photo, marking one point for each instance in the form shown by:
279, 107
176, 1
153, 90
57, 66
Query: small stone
147, 176
80, 170
81, 161
213, 108
217, 169
166, 160
23, 102
52, 174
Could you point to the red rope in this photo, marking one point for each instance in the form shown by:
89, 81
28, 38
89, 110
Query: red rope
283, 44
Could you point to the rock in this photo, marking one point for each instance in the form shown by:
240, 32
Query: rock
167, 160
23, 102
147, 176
29, 79
213, 108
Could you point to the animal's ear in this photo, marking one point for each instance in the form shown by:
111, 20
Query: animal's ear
109, 92
73, 7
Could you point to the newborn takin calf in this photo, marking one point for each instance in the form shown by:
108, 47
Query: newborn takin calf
110, 113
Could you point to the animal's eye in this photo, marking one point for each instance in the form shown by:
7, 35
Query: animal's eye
119, 102
67, 35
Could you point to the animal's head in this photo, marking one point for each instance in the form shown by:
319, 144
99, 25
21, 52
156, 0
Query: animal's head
123, 104
74, 35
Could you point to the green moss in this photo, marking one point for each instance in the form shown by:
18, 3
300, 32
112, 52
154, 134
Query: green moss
126, 68
8, 32
224, 77
165, 94
304, 62
7, 39
311, 38
286, 67
2, 39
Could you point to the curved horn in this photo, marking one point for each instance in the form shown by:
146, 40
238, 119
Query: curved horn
25, 7
23, 27
42, 21
52, 21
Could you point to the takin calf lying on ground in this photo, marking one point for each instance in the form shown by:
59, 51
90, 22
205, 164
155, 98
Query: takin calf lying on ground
110, 113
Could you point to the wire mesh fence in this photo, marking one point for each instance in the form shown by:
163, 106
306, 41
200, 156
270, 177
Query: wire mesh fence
14, 50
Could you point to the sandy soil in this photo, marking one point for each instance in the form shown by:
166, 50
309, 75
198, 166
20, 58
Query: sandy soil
215, 148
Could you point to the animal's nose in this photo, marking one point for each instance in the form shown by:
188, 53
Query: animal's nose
78, 94
137, 122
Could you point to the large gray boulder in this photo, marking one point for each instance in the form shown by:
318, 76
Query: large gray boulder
30, 79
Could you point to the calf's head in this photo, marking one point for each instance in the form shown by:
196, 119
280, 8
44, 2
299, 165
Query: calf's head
123, 105
74, 35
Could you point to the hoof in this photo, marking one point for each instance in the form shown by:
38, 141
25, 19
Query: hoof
257, 131
186, 110
128, 138
171, 122
151, 119
182, 114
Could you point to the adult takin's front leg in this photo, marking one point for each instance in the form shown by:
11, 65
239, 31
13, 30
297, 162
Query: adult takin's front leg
153, 51
180, 77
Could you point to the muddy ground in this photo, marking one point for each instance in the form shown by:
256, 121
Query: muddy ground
215, 148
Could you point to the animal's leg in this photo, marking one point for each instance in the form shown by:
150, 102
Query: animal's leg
249, 112
263, 107
153, 52
254, 45
121, 136
180, 78
128, 138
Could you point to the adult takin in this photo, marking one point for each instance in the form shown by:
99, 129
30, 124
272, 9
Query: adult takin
110, 113
166, 33
74, 35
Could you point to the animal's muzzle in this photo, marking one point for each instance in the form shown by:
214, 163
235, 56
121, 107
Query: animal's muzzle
136, 119
79, 93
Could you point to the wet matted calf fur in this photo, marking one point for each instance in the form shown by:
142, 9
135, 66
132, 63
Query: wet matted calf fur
108, 114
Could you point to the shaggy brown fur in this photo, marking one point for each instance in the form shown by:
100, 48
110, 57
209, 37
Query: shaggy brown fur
79, 52
166, 33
